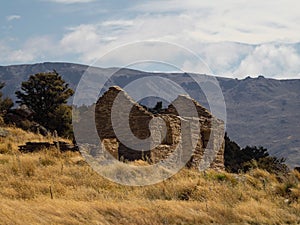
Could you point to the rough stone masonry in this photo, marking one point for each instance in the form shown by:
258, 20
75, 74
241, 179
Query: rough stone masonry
204, 153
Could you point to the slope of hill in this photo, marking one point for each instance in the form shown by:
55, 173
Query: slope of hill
260, 111
49, 187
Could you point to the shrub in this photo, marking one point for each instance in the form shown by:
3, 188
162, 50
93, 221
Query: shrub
243, 160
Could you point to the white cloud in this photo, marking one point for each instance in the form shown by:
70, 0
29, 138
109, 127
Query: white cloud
13, 17
228, 59
9, 55
252, 22
119, 23
206, 23
80, 39
94, 40
37, 48
224, 56
83, 40
215, 30
236, 60
42, 47
278, 61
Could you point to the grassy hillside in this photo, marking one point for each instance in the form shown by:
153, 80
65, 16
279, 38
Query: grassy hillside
60, 188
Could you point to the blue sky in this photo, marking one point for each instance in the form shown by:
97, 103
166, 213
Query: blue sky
236, 38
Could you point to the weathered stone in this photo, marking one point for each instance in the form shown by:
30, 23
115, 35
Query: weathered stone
112, 145
177, 125
37, 146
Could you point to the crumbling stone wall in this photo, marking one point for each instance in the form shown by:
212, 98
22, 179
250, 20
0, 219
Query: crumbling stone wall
139, 123
140, 119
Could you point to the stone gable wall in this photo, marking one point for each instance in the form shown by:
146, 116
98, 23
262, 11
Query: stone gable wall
140, 120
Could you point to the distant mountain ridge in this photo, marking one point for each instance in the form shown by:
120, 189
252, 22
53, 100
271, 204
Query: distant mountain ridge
260, 111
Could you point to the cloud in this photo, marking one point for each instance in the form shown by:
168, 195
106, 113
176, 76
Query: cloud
194, 22
9, 55
37, 48
88, 42
13, 17
94, 40
237, 60
83, 40
278, 61
252, 22
214, 30
224, 57
71, 1
118, 23
230, 59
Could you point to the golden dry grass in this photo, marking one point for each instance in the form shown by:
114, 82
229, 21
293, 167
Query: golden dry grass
81, 196
18, 137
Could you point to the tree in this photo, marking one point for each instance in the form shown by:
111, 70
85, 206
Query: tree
46, 94
233, 156
5, 103
237, 159
62, 120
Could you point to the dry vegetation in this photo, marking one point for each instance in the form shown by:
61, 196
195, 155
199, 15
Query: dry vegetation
60, 188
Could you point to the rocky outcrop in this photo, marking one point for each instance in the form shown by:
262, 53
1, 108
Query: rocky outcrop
38, 146
130, 132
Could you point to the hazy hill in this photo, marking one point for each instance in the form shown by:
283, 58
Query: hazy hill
260, 111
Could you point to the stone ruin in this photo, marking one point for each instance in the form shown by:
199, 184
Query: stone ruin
211, 128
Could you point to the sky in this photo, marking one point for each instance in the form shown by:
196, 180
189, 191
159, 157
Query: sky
235, 38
